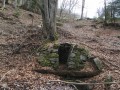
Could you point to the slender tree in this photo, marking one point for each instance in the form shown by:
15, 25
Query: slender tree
63, 7
67, 6
105, 10
72, 4
82, 11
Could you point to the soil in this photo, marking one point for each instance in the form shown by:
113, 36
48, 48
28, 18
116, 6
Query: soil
16, 70
102, 42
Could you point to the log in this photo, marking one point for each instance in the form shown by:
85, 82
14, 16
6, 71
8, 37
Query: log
70, 73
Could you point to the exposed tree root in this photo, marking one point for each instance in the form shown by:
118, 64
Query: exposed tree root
78, 74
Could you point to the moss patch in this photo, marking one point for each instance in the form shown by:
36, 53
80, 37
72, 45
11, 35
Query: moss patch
78, 57
49, 56
53, 55
43, 61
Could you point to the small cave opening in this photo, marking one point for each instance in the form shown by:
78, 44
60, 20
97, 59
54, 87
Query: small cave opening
64, 51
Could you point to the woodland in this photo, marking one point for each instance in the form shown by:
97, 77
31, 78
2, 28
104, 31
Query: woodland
44, 45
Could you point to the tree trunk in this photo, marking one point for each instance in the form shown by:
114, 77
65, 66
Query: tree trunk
105, 21
48, 10
114, 14
83, 4
3, 3
111, 14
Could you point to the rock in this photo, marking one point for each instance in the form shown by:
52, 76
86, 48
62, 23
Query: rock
72, 55
83, 58
54, 60
98, 63
4, 85
53, 55
71, 65
54, 50
91, 57
37, 54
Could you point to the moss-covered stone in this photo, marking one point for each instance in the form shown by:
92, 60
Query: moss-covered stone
43, 60
82, 51
78, 56
78, 62
49, 59
53, 55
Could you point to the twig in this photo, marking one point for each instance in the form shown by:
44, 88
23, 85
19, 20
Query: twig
74, 87
74, 83
6, 74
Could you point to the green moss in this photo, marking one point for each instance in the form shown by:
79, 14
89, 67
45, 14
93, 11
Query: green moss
59, 24
16, 13
53, 55
83, 51
56, 65
78, 62
56, 36
43, 61
56, 46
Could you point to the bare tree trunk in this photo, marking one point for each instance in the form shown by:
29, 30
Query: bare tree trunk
3, 3
63, 7
111, 14
48, 10
105, 21
114, 14
83, 5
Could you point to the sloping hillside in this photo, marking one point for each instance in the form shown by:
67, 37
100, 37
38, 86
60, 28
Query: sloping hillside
19, 39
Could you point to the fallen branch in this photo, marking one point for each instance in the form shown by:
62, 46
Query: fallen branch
71, 73
3, 77
74, 83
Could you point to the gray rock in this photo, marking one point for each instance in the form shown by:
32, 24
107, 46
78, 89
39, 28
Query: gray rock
98, 63
55, 50
71, 65
37, 54
72, 55
54, 60
83, 58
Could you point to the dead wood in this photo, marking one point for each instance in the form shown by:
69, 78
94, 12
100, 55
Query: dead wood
71, 73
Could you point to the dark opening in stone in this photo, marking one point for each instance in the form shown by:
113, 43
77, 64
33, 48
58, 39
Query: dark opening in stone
64, 51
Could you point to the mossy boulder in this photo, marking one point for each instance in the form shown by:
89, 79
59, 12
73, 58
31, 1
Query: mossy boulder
43, 60
98, 63
49, 56
53, 55
78, 57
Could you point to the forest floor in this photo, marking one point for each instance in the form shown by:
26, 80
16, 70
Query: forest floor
16, 69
